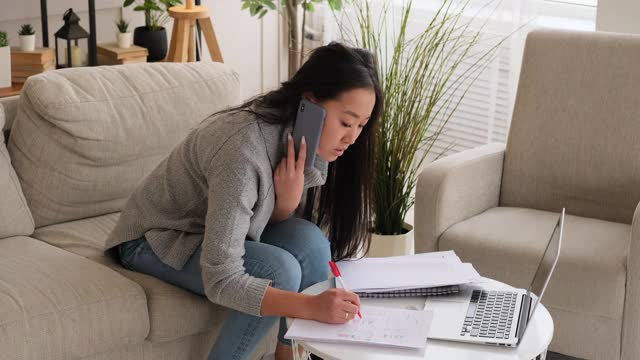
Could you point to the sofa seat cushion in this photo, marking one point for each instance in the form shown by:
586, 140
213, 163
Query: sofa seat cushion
84, 237
507, 243
173, 312
58, 305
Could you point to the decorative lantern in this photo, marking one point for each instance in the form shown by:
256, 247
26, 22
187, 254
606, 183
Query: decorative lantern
71, 30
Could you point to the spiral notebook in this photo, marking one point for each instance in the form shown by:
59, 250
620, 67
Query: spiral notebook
430, 291
430, 274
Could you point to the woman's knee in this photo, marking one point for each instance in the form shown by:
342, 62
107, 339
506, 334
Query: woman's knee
280, 267
288, 274
313, 239
310, 232
315, 255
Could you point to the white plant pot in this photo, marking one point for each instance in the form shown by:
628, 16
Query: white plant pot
124, 40
28, 42
5, 67
392, 245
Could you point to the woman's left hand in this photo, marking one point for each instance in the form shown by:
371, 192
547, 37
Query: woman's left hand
289, 179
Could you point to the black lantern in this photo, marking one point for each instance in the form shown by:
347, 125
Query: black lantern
71, 30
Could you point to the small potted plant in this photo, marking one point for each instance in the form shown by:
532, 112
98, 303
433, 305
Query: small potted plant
124, 35
27, 38
153, 35
5, 61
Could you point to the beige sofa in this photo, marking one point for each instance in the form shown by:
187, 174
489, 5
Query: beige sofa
80, 140
574, 142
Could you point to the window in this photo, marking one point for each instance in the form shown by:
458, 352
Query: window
591, 3
484, 115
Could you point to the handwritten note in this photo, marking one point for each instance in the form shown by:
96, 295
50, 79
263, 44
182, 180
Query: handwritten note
381, 326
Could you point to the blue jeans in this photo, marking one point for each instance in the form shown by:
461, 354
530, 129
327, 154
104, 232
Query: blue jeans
293, 254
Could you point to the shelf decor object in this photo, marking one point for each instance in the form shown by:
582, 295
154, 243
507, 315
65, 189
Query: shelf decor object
92, 42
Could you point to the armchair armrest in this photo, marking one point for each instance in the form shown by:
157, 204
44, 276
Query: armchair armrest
631, 316
456, 188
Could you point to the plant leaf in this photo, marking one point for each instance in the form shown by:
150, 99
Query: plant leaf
253, 9
335, 4
263, 13
270, 4
140, 8
308, 6
127, 3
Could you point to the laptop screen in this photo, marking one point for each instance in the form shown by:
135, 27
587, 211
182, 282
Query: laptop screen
540, 279
546, 266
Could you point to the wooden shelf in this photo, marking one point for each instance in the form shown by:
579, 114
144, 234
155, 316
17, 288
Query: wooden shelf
11, 91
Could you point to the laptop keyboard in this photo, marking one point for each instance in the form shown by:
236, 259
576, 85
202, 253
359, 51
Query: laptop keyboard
490, 314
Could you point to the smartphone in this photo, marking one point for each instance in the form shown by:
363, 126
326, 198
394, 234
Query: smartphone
309, 123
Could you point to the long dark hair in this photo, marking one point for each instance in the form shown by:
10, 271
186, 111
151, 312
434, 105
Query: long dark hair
343, 204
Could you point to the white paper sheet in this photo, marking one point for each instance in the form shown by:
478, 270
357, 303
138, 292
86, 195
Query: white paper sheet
378, 326
448, 256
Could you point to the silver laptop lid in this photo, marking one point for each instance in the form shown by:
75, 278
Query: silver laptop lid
545, 268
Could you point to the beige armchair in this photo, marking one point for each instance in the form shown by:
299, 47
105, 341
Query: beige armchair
574, 142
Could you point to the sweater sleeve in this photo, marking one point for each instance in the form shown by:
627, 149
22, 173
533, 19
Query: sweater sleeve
233, 179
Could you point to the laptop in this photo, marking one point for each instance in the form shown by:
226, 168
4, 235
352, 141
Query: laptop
485, 315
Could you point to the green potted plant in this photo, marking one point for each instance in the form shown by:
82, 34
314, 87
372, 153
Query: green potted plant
152, 35
418, 74
123, 35
5, 61
27, 38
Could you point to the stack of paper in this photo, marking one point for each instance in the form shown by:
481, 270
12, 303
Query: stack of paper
378, 326
370, 275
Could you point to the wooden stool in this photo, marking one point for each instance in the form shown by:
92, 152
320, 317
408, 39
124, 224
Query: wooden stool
183, 42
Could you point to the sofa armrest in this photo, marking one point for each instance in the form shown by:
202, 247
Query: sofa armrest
631, 316
456, 188
9, 106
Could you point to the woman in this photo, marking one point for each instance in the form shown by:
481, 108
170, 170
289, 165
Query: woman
214, 217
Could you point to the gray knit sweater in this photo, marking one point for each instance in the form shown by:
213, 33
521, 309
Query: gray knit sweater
215, 189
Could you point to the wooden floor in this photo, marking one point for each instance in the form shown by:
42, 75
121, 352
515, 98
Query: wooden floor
556, 356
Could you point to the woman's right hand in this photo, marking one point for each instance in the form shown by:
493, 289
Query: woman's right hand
334, 306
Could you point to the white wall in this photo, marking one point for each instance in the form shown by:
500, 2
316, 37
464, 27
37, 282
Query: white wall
618, 16
253, 47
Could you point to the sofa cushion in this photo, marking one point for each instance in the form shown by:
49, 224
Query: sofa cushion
56, 305
507, 243
84, 137
15, 216
84, 237
173, 312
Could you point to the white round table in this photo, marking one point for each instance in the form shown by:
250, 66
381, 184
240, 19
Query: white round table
533, 346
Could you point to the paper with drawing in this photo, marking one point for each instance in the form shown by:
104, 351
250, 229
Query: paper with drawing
381, 326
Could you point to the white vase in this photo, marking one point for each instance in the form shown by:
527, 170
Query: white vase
392, 245
124, 40
28, 42
5, 67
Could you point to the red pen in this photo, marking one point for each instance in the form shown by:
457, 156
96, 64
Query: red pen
336, 273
